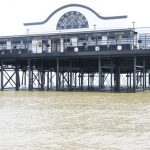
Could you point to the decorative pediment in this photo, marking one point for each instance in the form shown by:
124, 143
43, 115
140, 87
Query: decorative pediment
75, 16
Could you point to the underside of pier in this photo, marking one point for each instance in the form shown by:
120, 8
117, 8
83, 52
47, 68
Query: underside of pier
96, 71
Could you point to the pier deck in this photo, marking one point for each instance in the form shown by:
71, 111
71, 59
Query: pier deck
113, 71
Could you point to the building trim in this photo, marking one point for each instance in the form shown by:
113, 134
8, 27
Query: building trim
75, 5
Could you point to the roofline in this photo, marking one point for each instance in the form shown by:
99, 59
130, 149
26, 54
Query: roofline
65, 33
75, 5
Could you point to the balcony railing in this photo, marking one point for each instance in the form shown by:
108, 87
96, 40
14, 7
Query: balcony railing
80, 46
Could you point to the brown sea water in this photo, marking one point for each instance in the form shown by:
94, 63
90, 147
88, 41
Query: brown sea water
74, 121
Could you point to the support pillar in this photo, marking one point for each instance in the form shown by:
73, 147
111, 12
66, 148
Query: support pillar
48, 80
88, 81
30, 84
17, 77
42, 76
134, 74
130, 82
127, 81
75, 80
2, 86
117, 80
111, 76
63, 82
57, 74
82, 76
42, 80
51, 79
144, 77
68, 78
70, 74
100, 73
117, 76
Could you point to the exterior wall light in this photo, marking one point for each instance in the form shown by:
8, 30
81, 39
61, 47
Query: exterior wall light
97, 48
76, 49
119, 47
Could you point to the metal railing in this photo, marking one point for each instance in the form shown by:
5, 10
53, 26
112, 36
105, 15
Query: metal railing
80, 46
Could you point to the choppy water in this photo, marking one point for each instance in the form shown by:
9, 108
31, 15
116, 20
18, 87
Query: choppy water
74, 121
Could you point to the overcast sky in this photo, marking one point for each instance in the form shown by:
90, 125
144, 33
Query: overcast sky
13, 13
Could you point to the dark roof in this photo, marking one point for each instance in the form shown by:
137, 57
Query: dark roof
126, 31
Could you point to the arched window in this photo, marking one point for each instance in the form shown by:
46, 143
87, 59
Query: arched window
72, 20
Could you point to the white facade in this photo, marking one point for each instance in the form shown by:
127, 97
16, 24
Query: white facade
50, 25
72, 28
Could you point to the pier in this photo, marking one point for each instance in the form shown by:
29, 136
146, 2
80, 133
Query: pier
75, 57
113, 71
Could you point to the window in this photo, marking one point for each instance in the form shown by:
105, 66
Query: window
72, 20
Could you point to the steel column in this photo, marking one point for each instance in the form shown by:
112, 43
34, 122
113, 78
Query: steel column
48, 80
2, 87
111, 78
30, 84
70, 70
57, 74
134, 74
144, 77
42, 76
17, 77
100, 73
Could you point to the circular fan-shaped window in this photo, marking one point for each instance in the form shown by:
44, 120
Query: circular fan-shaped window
72, 20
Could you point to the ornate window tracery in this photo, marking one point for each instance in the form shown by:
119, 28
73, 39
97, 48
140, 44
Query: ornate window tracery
72, 20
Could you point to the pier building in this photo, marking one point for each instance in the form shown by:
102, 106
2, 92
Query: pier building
76, 48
